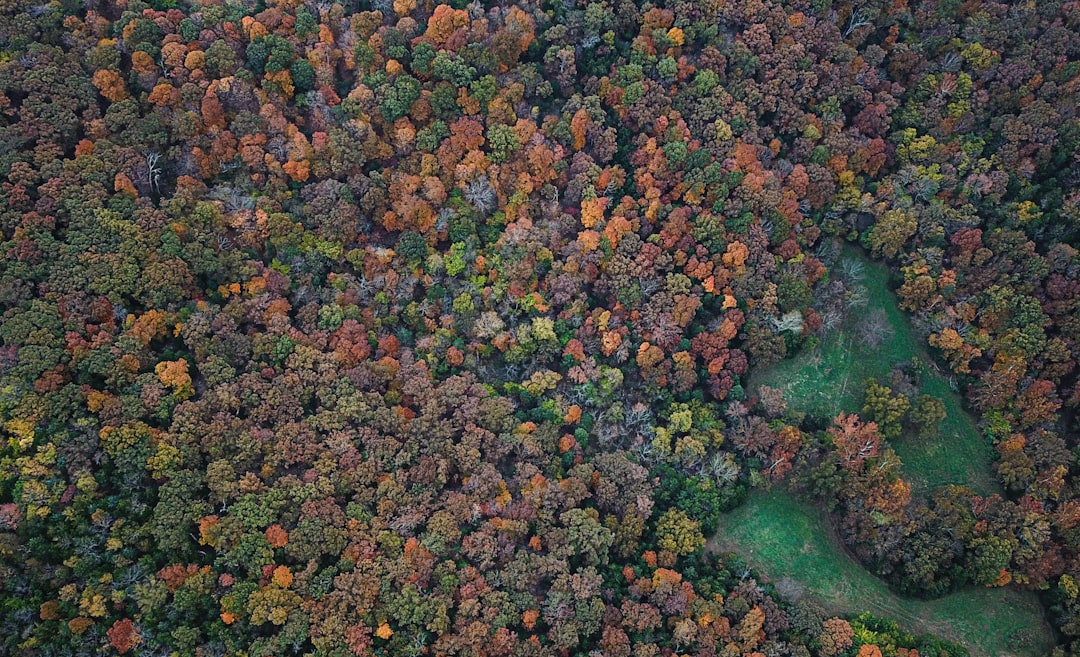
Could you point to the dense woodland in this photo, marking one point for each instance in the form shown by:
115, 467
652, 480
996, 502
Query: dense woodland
400, 328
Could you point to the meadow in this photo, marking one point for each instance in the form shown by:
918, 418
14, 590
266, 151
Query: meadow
830, 378
786, 540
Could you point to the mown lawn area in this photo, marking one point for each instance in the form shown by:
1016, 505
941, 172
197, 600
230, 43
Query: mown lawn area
830, 378
783, 538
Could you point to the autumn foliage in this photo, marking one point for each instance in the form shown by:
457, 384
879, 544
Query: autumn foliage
416, 328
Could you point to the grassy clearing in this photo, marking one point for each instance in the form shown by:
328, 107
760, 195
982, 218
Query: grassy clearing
782, 537
829, 378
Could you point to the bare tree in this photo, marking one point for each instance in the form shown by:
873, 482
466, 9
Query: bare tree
830, 320
791, 321
481, 195
722, 468
874, 330
951, 62
790, 589
153, 171
772, 400
859, 18
826, 250
234, 198
852, 269
857, 297
639, 416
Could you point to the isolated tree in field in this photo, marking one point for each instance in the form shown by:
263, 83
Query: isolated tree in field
872, 330
886, 408
926, 414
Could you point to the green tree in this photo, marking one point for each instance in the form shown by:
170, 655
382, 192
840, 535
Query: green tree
885, 408
449, 67
398, 97
270, 54
926, 414
503, 141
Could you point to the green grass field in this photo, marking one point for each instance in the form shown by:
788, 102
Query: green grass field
783, 538
830, 378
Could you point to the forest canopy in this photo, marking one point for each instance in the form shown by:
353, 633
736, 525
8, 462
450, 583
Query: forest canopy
389, 327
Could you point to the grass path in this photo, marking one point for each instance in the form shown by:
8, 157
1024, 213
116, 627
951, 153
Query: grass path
782, 537
829, 378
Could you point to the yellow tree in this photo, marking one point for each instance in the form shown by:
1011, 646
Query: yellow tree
677, 533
